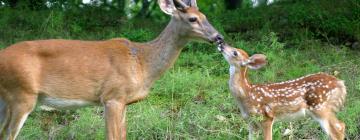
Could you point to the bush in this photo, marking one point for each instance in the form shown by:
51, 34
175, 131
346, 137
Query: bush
293, 19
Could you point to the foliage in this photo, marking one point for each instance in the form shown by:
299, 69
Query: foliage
295, 20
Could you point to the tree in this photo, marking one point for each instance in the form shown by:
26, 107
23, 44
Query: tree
146, 8
31, 4
11, 3
36, 4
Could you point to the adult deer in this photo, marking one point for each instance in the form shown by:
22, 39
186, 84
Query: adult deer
319, 95
66, 74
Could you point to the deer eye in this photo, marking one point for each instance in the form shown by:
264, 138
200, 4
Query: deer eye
235, 53
193, 19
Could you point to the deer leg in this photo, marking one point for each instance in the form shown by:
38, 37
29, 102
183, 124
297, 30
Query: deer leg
123, 125
333, 127
3, 115
115, 120
267, 128
17, 115
337, 127
5, 123
252, 130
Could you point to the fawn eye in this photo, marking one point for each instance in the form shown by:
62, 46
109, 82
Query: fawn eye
235, 53
193, 19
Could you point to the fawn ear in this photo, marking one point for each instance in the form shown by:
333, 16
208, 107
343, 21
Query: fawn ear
181, 5
256, 61
167, 6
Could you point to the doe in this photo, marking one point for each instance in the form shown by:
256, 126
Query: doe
66, 74
319, 95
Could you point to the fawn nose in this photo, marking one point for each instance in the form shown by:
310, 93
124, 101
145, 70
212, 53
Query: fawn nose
221, 47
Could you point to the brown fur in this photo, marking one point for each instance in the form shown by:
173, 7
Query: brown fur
72, 73
319, 94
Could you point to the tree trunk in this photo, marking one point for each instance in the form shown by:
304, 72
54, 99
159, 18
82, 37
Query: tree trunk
145, 9
121, 7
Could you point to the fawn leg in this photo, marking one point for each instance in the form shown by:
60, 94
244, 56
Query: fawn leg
333, 127
267, 128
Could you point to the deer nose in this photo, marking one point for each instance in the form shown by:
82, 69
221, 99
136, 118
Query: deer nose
219, 39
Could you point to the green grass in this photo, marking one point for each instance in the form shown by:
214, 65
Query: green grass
187, 102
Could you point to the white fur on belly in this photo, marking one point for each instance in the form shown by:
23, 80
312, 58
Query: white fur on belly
51, 103
293, 116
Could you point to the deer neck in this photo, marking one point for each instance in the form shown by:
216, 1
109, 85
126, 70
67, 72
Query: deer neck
163, 51
238, 82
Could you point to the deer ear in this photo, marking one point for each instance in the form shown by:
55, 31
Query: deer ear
167, 6
256, 61
191, 3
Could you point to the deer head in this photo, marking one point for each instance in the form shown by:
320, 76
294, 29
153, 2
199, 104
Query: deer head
192, 24
239, 58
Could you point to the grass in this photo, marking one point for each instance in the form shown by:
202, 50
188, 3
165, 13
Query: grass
192, 100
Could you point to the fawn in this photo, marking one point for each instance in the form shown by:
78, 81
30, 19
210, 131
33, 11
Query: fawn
318, 95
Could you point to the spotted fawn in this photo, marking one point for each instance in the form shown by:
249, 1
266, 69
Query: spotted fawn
317, 95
